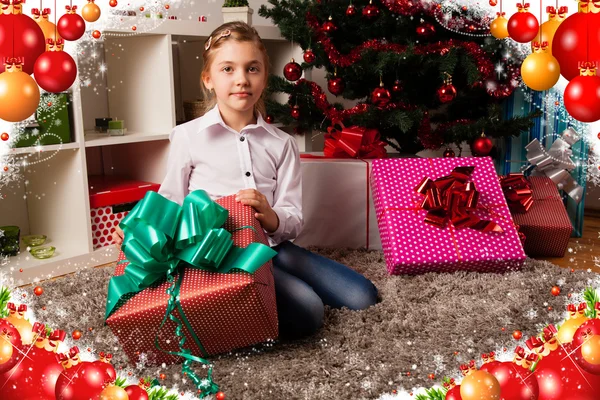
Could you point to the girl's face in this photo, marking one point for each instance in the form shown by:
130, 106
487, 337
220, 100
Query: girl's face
237, 75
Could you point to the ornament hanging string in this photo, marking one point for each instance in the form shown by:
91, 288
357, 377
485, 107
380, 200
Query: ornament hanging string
541, 39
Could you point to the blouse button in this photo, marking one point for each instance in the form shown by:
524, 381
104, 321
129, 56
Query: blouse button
248, 173
242, 138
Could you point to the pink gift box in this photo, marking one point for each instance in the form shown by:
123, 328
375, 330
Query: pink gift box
412, 246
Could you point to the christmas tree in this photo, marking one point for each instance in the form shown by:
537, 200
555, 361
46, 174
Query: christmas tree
425, 74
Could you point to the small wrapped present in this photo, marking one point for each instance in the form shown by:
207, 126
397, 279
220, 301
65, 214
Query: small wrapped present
443, 214
213, 286
544, 221
549, 131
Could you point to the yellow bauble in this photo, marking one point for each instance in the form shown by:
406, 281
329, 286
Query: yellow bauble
567, 330
548, 30
499, 27
49, 30
590, 350
90, 12
114, 393
19, 96
6, 350
20, 324
480, 385
540, 71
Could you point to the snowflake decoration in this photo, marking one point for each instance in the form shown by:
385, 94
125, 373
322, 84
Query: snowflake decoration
531, 314
50, 102
57, 122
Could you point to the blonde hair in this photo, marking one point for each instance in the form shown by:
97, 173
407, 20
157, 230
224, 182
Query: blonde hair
240, 32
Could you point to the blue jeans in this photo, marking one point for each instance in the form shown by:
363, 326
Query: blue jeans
305, 282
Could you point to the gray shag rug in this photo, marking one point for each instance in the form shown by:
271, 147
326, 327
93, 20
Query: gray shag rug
426, 324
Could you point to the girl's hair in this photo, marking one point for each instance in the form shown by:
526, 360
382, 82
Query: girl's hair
240, 32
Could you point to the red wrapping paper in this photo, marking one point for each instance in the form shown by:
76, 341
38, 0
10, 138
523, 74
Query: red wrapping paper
227, 311
546, 226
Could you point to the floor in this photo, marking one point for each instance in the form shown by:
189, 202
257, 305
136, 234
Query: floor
583, 252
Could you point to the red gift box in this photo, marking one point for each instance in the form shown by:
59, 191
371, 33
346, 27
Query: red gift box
546, 226
226, 311
111, 199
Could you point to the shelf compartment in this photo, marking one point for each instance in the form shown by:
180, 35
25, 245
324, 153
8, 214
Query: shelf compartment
93, 139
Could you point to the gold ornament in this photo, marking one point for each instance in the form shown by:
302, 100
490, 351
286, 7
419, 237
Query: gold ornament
47, 27
576, 318
548, 28
114, 393
540, 70
590, 349
499, 27
480, 385
20, 324
20, 97
91, 12
6, 348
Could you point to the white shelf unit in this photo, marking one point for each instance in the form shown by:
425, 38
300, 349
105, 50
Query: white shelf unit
147, 78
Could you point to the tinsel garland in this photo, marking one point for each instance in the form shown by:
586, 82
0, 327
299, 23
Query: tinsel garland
483, 62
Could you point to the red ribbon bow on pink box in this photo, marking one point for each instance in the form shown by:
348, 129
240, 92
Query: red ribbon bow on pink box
354, 142
453, 199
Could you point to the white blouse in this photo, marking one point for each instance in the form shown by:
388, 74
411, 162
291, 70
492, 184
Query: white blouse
207, 154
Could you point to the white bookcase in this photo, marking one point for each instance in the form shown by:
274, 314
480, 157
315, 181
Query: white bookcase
148, 76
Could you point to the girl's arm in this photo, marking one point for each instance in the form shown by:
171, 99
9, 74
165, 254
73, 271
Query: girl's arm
287, 198
179, 166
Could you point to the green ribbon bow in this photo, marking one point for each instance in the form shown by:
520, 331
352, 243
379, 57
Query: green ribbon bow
160, 237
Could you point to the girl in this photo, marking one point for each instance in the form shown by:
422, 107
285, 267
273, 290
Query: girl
232, 149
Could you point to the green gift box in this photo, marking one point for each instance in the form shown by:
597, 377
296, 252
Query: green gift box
55, 121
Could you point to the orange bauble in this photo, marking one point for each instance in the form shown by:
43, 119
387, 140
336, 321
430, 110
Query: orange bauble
590, 350
21, 324
499, 27
548, 29
114, 393
6, 350
540, 70
49, 30
19, 96
480, 385
567, 330
90, 12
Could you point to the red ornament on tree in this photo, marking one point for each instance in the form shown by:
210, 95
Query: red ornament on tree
295, 112
269, 119
517, 335
397, 88
582, 95
493, 3
4, 136
113, 3
71, 26
516, 382
381, 96
55, 71
370, 11
453, 392
220, 396
351, 10
309, 56
577, 39
292, 71
447, 92
481, 147
449, 153
555, 291
329, 26
425, 30
336, 85
96, 34
20, 36
81, 381
523, 26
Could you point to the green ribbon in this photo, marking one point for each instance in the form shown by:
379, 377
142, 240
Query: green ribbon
162, 238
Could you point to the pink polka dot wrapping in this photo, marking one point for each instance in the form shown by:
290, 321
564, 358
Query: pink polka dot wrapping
412, 246
227, 311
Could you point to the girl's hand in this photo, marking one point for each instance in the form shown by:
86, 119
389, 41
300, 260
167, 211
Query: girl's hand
118, 235
265, 215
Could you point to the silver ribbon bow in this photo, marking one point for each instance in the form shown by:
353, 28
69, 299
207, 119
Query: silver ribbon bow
556, 162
